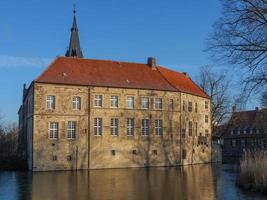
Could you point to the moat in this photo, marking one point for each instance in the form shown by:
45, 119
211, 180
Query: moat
196, 182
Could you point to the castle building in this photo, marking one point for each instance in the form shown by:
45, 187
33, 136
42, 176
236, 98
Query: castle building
245, 130
91, 114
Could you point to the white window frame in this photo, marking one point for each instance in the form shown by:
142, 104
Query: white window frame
114, 126
145, 127
76, 103
158, 103
159, 127
145, 101
114, 101
50, 102
98, 126
98, 101
130, 102
130, 127
53, 133
72, 130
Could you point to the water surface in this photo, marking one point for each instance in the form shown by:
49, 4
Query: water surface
196, 182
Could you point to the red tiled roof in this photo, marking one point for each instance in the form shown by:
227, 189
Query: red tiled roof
75, 71
182, 82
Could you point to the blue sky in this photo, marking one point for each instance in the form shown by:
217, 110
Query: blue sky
34, 32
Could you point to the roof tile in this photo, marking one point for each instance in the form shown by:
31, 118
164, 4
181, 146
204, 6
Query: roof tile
76, 71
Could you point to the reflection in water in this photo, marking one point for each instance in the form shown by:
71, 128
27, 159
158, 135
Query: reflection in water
190, 182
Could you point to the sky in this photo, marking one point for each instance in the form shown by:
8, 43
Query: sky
34, 32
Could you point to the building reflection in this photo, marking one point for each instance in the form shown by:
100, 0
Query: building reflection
189, 182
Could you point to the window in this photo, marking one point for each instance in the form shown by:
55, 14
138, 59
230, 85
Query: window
206, 104
98, 101
184, 105
171, 104
53, 130
113, 152
184, 154
233, 142
190, 128
114, 126
183, 132
155, 152
76, 103
130, 102
243, 142
145, 127
158, 103
71, 130
134, 152
158, 127
145, 102
130, 126
190, 106
54, 158
98, 126
206, 132
51, 102
196, 107
196, 129
69, 158
114, 101
206, 119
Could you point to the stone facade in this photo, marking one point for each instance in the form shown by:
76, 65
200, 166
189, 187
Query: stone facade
178, 145
196, 146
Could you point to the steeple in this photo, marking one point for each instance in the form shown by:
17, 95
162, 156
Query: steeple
74, 49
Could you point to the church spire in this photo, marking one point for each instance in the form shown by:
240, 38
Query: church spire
74, 49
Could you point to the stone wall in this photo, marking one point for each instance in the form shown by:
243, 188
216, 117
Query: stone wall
167, 147
107, 151
70, 154
195, 147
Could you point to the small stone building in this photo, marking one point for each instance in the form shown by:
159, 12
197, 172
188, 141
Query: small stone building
245, 130
90, 114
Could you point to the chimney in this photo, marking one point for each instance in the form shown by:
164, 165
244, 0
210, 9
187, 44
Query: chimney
234, 108
185, 73
152, 62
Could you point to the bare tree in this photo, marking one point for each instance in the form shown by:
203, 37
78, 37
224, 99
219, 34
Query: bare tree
240, 38
217, 86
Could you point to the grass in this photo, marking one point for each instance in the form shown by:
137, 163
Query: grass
253, 171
